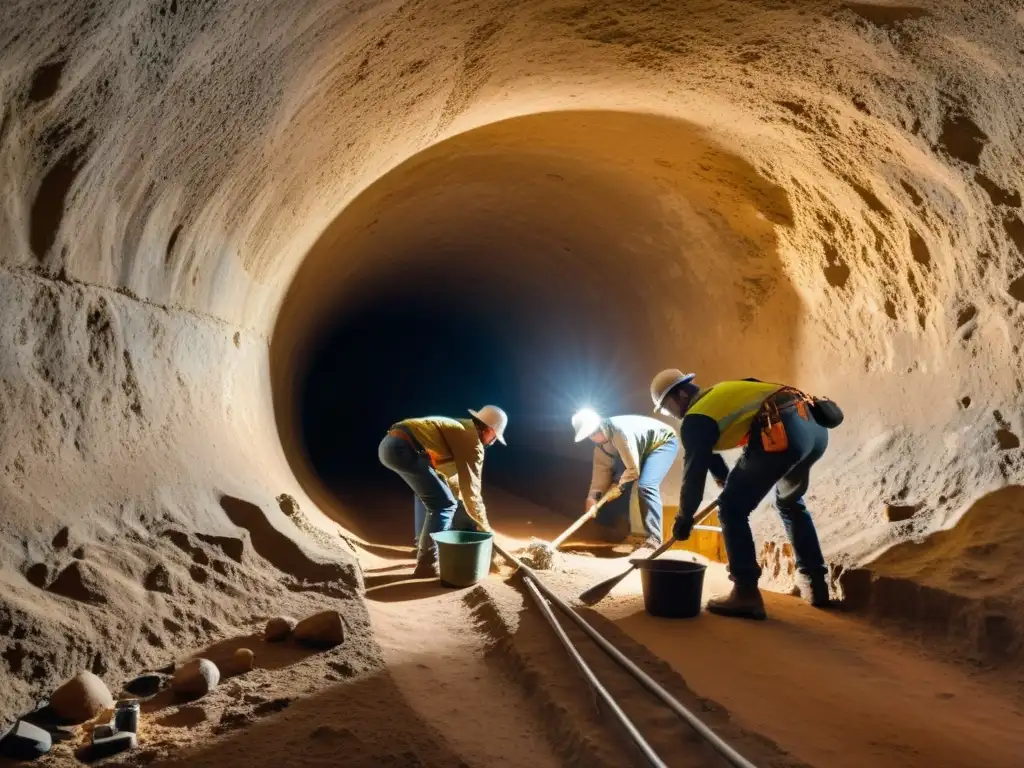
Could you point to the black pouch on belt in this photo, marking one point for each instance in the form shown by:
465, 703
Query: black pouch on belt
826, 412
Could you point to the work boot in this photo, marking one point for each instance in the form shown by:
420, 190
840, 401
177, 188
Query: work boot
426, 563
815, 591
743, 602
647, 544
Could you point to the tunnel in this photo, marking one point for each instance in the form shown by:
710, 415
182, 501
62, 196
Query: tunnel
240, 241
524, 262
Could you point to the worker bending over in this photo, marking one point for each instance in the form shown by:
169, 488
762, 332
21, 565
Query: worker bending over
647, 448
441, 460
782, 440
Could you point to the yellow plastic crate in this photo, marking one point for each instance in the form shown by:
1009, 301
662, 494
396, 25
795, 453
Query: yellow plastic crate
709, 544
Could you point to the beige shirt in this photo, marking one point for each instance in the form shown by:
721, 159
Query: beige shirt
458, 456
633, 438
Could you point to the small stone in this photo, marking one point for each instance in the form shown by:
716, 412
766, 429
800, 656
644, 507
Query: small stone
146, 685
322, 629
81, 698
25, 741
243, 660
197, 678
279, 628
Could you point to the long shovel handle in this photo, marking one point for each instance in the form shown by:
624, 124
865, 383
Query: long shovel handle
702, 515
590, 514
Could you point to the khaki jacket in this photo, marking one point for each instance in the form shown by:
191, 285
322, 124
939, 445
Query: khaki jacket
457, 454
633, 438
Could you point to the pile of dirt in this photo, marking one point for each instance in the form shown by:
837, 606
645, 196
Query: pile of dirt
962, 587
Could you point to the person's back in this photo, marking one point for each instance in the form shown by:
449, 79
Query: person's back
732, 406
647, 449
441, 460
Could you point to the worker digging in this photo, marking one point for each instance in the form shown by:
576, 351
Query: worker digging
783, 432
441, 459
647, 449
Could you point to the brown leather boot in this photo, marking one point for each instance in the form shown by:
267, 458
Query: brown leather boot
744, 602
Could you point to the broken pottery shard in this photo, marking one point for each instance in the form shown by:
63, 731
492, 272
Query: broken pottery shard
279, 628
81, 698
197, 678
322, 629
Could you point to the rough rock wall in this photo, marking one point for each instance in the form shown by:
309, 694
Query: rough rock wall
167, 165
137, 498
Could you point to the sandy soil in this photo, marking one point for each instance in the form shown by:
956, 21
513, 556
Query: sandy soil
476, 677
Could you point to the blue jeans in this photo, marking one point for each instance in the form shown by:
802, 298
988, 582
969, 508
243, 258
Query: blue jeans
751, 480
653, 470
435, 505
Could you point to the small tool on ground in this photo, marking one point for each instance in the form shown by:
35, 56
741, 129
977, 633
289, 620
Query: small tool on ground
600, 591
542, 553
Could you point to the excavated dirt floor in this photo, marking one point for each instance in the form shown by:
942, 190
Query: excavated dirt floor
475, 677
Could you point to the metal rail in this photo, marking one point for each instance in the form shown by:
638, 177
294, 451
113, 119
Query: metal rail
631, 730
715, 741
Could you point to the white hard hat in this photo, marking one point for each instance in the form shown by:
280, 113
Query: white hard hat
665, 382
586, 422
493, 417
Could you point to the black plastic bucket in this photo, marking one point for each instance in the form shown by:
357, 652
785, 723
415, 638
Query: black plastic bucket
672, 588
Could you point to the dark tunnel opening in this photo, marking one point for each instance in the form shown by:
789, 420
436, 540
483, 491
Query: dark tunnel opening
439, 341
541, 264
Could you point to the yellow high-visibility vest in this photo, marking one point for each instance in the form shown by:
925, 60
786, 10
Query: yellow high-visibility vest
733, 405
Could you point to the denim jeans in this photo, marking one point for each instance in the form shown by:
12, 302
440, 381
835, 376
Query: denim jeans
751, 480
653, 470
434, 506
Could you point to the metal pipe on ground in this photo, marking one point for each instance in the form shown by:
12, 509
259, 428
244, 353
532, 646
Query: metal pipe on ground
713, 739
645, 749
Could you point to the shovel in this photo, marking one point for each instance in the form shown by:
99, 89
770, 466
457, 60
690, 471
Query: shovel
590, 514
600, 591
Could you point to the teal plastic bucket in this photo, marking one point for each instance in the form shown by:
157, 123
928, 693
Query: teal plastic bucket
463, 557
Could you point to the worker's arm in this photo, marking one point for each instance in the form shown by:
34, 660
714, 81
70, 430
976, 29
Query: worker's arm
626, 446
468, 453
719, 469
601, 477
699, 434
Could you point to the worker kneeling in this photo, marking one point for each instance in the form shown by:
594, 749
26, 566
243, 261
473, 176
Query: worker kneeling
441, 460
647, 448
784, 432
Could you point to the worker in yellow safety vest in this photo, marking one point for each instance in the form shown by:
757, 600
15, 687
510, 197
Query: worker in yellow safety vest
783, 432
441, 460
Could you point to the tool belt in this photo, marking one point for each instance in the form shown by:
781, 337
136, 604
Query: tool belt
769, 419
403, 433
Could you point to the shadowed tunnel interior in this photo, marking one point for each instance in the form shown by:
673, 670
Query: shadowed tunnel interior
540, 263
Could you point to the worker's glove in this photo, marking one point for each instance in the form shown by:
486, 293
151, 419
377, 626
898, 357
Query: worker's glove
614, 492
682, 527
591, 501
